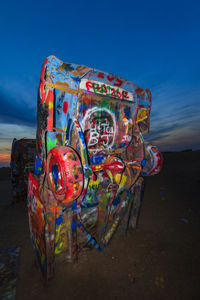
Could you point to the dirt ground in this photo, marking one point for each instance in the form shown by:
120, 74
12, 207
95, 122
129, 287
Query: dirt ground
160, 260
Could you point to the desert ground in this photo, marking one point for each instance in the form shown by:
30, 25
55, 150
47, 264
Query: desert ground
160, 260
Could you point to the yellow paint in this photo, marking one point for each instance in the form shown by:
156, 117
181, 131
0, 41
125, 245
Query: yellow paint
94, 183
42, 258
39, 204
62, 87
124, 180
125, 120
98, 168
58, 228
110, 175
58, 249
118, 178
66, 84
59, 246
141, 115
51, 104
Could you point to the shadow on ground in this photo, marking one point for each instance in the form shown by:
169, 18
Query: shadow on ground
160, 260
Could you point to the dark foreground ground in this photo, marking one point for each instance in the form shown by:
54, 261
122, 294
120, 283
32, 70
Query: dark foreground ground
160, 260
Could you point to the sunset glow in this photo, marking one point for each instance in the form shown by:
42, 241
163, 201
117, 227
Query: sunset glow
4, 157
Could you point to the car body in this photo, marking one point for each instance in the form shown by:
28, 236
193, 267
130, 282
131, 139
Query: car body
22, 162
89, 162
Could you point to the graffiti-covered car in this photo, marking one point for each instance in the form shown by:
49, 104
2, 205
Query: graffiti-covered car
22, 162
90, 160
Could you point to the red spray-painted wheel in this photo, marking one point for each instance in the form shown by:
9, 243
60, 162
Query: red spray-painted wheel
64, 174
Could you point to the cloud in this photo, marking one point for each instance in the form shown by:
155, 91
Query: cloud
175, 118
18, 101
16, 111
11, 131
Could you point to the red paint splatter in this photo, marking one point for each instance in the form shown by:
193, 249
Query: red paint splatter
65, 107
138, 90
118, 82
110, 78
100, 75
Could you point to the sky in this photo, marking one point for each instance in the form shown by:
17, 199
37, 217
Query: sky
155, 44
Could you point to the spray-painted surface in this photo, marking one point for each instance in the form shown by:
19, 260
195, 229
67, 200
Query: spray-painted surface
90, 158
22, 162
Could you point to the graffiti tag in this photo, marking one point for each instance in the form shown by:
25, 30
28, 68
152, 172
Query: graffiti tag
105, 89
101, 128
101, 133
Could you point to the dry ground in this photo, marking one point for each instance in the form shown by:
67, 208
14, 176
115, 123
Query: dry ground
160, 260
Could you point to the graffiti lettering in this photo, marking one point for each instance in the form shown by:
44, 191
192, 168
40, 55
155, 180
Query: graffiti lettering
101, 129
105, 89
101, 133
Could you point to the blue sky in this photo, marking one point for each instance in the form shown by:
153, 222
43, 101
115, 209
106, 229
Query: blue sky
155, 44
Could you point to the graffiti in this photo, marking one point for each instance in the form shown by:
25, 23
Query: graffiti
116, 81
142, 114
101, 133
90, 160
152, 163
105, 89
102, 130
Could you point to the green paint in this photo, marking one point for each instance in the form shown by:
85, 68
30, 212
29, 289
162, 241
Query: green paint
105, 104
107, 195
96, 87
88, 173
51, 145
141, 137
90, 199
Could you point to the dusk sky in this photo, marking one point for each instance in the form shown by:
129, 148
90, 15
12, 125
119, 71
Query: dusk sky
155, 44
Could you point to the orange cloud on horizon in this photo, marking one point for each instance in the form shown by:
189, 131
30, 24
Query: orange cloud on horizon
4, 157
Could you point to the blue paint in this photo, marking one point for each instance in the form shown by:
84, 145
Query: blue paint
59, 220
54, 170
69, 68
122, 145
73, 206
116, 201
82, 107
128, 193
127, 112
82, 137
68, 129
76, 79
90, 238
143, 163
74, 220
74, 223
117, 116
95, 160
38, 166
